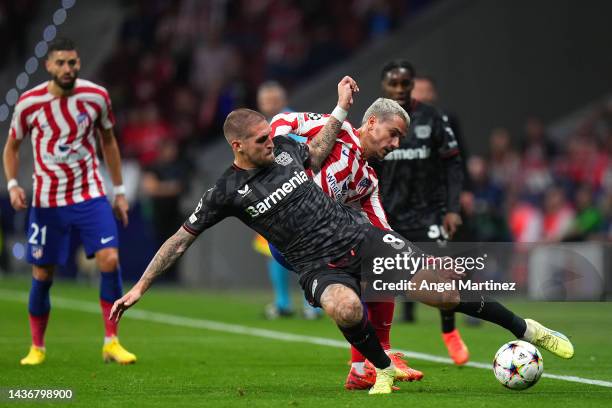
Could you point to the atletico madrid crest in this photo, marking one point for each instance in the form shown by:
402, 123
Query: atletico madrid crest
37, 252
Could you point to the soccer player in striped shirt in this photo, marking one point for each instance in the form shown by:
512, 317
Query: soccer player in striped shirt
62, 117
346, 176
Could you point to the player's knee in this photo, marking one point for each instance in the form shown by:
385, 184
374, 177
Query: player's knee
108, 260
42, 273
349, 312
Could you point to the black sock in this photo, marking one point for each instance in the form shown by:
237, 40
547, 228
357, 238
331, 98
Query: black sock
447, 318
409, 312
363, 337
492, 311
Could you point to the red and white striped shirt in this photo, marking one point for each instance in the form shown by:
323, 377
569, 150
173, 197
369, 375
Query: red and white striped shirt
63, 133
345, 175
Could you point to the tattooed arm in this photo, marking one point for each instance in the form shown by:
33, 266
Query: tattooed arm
166, 256
322, 144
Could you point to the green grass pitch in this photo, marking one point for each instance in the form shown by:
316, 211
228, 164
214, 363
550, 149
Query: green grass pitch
183, 366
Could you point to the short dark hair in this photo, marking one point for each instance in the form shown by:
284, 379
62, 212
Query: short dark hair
396, 64
61, 44
238, 123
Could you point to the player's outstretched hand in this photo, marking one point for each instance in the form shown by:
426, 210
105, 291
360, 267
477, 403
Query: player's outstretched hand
451, 222
347, 87
121, 305
121, 207
18, 198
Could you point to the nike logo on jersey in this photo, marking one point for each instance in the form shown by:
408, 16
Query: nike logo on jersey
106, 240
277, 195
246, 190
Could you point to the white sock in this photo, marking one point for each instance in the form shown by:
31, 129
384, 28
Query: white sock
529, 332
359, 367
109, 339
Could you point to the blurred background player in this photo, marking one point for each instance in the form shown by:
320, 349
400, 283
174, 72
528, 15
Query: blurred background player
63, 116
272, 100
421, 182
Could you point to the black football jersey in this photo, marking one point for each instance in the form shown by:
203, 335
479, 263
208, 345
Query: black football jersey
412, 178
285, 206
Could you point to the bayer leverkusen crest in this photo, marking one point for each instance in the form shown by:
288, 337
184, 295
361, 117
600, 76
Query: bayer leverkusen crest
283, 159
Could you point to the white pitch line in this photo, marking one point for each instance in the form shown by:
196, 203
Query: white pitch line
174, 320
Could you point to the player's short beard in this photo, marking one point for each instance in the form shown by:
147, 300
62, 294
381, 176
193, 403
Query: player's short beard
66, 86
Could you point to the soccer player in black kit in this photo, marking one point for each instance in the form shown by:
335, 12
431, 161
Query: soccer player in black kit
267, 188
421, 183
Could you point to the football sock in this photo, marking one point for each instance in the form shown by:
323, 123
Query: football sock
409, 312
447, 319
363, 337
279, 276
492, 311
356, 356
110, 290
380, 314
359, 367
39, 307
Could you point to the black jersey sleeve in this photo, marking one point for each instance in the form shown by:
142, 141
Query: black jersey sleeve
210, 210
444, 136
300, 150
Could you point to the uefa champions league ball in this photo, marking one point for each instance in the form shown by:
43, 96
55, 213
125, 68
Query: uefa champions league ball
518, 365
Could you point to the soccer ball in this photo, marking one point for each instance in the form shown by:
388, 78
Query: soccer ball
518, 365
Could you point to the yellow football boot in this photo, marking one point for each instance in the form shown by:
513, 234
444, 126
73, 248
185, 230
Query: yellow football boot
555, 342
385, 378
113, 351
35, 356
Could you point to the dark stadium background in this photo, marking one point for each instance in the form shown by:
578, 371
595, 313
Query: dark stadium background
174, 69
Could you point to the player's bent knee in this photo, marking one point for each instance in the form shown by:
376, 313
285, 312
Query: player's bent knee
341, 304
349, 313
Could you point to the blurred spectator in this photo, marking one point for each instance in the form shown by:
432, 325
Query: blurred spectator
425, 90
526, 222
214, 63
584, 163
589, 219
504, 162
558, 215
143, 134
485, 212
163, 182
271, 99
182, 108
537, 146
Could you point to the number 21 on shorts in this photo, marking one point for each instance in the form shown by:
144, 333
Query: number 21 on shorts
39, 234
